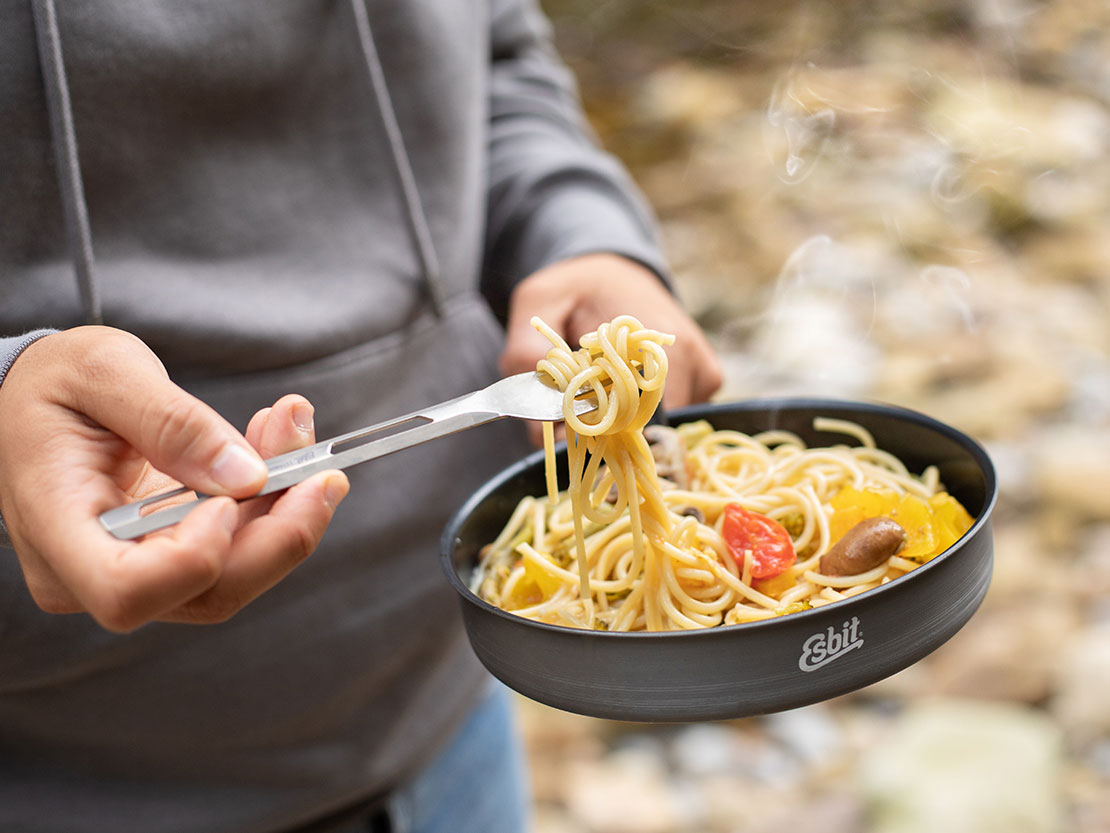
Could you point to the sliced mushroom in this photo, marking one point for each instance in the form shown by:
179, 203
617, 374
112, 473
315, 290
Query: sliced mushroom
612, 495
863, 547
669, 452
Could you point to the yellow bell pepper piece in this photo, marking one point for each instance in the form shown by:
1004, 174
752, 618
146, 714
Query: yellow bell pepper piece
932, 525
534, 587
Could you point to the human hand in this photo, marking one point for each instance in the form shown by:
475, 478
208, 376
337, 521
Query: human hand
575, 296
89, 420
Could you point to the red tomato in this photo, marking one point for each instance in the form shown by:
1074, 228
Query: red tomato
772, 549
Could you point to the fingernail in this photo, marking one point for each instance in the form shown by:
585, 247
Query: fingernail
302, 417
236, 468
335, 489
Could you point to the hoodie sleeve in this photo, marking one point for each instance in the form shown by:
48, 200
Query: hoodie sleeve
10, 348
553, 192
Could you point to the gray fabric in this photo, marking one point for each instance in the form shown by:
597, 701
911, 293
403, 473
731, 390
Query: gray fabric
414, 207
551, 194
251, 225
10, 349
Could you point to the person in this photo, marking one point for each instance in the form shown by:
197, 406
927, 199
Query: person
227, 229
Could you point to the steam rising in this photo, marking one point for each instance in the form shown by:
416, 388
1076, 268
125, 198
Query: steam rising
902, 167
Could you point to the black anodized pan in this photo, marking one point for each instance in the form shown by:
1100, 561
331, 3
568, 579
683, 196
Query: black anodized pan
755, 668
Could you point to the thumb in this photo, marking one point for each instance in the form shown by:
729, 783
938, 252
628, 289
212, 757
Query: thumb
524, 344
189, 441
129, 393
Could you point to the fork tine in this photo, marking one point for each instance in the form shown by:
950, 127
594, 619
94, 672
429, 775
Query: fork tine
529, 396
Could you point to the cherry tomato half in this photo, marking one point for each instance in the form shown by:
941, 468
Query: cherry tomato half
772, 549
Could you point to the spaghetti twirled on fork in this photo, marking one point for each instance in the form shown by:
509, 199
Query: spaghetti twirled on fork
624, 548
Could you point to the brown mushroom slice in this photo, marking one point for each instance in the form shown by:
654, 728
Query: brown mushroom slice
612, 495
692, 512
669, 451
864, 547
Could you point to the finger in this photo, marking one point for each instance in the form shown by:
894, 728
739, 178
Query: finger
708, 379
706, 369
678, 392
524, 344
535, 432
124, 585
682, 386
269, 548
288, 426
253, 433
694, 371
122, 386
703, 371
46, 587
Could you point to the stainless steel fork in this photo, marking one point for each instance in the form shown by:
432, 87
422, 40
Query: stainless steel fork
524, 396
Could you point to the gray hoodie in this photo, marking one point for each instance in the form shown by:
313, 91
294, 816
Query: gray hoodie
312, 196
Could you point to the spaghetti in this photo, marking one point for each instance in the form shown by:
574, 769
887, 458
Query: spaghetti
723, 528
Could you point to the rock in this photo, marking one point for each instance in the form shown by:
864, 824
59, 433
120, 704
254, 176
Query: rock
1013, 471
553, 739
811, 734
689, 95
1090, 573
728, 803
548, 819
1006, 652
745, 752
963, 767
1081, 703
1023, 388
1024, 566
704, 749
1017, 127
1070, 470
624, 792
838, 812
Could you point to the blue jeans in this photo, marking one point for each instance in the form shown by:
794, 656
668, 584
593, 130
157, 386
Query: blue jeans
477, 784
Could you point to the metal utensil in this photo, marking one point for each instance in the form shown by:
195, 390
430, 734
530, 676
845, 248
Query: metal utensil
524, 396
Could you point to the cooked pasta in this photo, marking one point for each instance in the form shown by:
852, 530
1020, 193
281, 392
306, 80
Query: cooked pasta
700, 527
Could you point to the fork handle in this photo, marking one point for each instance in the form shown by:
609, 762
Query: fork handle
129, 520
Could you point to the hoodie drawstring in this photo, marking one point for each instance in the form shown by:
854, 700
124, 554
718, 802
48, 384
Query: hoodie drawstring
414, 208
75, 208
64, 139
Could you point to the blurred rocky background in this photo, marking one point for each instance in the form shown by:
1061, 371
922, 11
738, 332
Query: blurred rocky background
910, 202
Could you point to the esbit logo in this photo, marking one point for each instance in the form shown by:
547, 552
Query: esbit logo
822, 648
